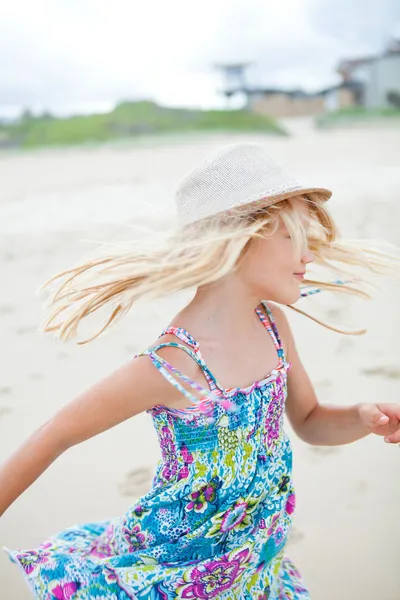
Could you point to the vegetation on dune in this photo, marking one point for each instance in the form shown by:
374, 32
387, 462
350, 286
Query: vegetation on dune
356, 114
128, 120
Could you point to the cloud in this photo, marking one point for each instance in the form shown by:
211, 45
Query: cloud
365, 22
60, 55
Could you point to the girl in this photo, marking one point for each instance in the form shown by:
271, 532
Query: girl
216, 384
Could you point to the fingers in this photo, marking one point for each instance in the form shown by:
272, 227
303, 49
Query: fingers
394, 438
381, 419
374, 416
392, 410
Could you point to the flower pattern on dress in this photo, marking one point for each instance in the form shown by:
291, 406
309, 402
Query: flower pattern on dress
187, 460
31, 559
215, 576
236, 518
200, 499
63, 590
135, 538
273, 419
168, 451
291, 504
140, 511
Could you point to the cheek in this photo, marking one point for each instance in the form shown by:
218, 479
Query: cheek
263, 258
268, 269
273, 255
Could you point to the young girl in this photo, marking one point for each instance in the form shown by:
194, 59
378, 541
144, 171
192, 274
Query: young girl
216, 384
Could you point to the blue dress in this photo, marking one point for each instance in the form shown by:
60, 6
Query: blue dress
217, 517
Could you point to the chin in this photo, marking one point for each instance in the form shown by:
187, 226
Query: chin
285, 297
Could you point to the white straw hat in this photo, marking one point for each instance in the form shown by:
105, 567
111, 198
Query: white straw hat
236, 175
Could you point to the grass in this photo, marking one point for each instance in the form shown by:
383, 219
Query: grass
356, 114
129, 120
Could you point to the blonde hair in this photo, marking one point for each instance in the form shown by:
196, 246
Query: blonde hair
200, 254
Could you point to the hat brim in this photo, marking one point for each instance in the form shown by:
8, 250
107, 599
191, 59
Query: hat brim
321, 194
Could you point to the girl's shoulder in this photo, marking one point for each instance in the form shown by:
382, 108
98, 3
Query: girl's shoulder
182, 362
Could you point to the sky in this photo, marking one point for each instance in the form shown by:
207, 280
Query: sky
79, 56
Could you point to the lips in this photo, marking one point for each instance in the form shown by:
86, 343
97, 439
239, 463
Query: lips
300, 275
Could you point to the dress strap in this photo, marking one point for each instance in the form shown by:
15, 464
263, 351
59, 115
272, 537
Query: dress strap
182, 334
186, 337
272, 329
173, 375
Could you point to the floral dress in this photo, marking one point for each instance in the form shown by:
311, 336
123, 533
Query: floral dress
217, 517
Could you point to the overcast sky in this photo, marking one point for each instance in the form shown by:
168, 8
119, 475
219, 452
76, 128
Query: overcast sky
85, 55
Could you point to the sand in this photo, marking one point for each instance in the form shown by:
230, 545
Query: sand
346, 537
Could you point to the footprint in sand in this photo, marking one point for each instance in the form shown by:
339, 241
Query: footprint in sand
136, 482
323, 450
48, 252
344, 344
387, 371
5, 410
24, 330
324, 388
131, 349
323, 384
295, 536
36, 376
7, 309
334, 312
5, 390
361, 488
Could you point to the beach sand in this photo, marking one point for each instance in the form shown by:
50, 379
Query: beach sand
54, 204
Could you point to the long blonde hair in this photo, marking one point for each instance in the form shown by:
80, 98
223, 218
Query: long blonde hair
200, 254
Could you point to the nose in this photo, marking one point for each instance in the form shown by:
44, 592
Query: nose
307, 257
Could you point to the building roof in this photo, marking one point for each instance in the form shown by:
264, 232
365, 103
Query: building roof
349, 64
297, 92
352, 63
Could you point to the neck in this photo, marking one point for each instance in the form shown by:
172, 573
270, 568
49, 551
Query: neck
219, 306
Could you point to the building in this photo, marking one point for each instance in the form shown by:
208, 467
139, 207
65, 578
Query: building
279, 102
370, 82
298, 103
377, 77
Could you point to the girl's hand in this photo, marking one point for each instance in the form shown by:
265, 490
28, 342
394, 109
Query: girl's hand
382, 419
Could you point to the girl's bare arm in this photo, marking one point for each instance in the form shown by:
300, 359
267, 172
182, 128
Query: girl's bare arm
132, 389
315, 423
